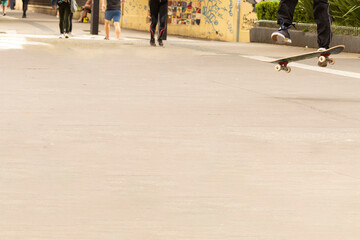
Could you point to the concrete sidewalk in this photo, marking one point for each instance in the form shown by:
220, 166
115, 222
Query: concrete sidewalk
108, 140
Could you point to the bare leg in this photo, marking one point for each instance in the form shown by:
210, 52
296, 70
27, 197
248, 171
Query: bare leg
117, 30
107, 29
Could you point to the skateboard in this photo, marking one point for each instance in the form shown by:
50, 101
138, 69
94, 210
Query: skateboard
323, 58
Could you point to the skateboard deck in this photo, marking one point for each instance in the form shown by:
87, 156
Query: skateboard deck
323, 60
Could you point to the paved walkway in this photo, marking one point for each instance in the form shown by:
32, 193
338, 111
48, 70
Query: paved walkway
105, 140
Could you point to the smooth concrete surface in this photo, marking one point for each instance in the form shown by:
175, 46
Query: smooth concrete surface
109, 140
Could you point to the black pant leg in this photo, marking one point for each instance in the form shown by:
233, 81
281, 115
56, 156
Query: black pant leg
323, 21
163, 12
154, 12
71, 17
25, 6
67, 17
61, 17
286, 11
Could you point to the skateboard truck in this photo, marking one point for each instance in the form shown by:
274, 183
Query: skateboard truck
324, 60
283, 66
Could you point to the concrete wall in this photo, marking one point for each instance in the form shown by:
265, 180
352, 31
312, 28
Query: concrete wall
207, 19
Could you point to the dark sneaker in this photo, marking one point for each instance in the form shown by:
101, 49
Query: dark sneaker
152, 42
282, 35
161, 44
24, 16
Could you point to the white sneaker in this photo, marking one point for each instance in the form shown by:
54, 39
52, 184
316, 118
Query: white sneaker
66, 35
61, 36
321, 49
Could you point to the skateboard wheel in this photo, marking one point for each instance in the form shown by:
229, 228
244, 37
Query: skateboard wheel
288, 69
322, 59
278, 67
331, 61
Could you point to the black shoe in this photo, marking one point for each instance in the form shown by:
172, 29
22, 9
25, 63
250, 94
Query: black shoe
161, 44
24, 16
152, 42
4, 14
282, 35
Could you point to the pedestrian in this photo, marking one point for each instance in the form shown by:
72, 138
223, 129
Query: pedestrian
4, 4
85, 10
158, 9
70, 27
25, 6
112, 12
12, 4
64, 16
322, 17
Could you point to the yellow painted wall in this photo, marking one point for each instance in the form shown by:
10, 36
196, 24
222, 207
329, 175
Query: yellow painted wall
247, 19
218, 19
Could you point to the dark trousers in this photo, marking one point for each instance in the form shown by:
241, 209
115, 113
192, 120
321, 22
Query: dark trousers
12, 4
321, 15
25, 6
71, 16
158, 8
64, 15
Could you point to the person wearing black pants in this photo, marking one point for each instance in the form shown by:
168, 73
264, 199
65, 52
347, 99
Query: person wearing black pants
64, 14
25, 7
321, 15
158, 7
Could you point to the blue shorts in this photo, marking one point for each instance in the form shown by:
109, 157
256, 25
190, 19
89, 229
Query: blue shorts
113, 14
53, 2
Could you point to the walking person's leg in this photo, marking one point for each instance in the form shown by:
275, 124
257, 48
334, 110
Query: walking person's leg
116, 18
117, 30
163, 9
108, 18
25, 7
61, 18
107, 29
67, 19
4, 4
71, 17
323, 21
285, 16
154, 12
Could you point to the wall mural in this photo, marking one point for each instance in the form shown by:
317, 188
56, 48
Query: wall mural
184, 12
217, 17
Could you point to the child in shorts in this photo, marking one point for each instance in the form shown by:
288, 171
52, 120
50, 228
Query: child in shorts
4, 4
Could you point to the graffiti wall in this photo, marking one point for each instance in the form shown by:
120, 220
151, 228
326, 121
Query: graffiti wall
247, 18
210, 19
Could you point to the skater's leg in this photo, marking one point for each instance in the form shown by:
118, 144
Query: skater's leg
284, 19
323, 21
285, 13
